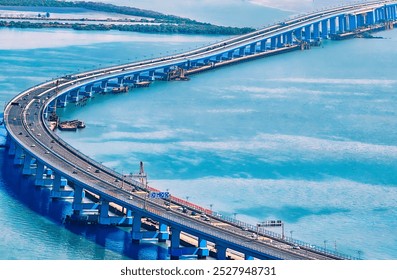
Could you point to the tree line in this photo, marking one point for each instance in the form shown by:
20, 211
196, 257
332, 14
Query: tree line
168, 23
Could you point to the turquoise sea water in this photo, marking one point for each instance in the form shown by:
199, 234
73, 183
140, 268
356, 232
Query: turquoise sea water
306, 137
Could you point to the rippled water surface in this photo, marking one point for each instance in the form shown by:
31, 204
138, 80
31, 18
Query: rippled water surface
306, 137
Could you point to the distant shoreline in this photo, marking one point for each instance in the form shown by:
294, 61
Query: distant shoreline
147, 22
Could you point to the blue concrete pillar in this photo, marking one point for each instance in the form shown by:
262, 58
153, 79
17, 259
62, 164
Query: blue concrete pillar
74, 95
253, 48
19, 155
242, 51
288, 38
62, 101
298, 33
280, 42
39, 174
58, 190
387, 12
316, 30
175, 250
263, 45
341, 22
308, 33
370, 18
163, 234
230, 54
220, 252
27, 170
203, 250
352, 22
332, 25
324, 29
360, 20
136, 234
393, 12
104, 212
78, 198
12, 148
273, 42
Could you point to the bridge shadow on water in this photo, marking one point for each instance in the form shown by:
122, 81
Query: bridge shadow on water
38, 199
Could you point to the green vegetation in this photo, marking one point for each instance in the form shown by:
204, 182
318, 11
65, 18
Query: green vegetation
167, 23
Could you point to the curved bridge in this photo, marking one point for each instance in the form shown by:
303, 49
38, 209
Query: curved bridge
103, 196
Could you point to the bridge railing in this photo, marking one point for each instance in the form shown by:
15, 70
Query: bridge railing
285, 239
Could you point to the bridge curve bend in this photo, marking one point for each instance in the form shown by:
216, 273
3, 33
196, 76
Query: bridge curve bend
30, 117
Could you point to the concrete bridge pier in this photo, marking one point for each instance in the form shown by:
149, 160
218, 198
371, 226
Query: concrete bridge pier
332, 25
11, 146
253, 48
74, 95
324, 29
62, 101
263, 45
19, 156
220, 252
39, 180
316, 30
27, 165
308, 33
59, 187
370, 18
360, 20
88, 91
352, 22
273, 42
341, 22
176, 250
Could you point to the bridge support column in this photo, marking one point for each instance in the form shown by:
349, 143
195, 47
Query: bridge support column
62, 101
279, 41
74, 96
308, 33
360, 20
370, 18
298, 33
288, 38
248, 257
241, 51
175, 250
39, 174
220, 252
324, 29
104, 212
332, 25
316, 30
203, 250
263, 45
19, 155
11, 147
136, 234
273, 42
78, 196
253, 48
391, 14
163, 233
352, 22
341, 22
58, 185
27, 170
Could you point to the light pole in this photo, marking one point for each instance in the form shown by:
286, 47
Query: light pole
211, 207
291, 231
325, 245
